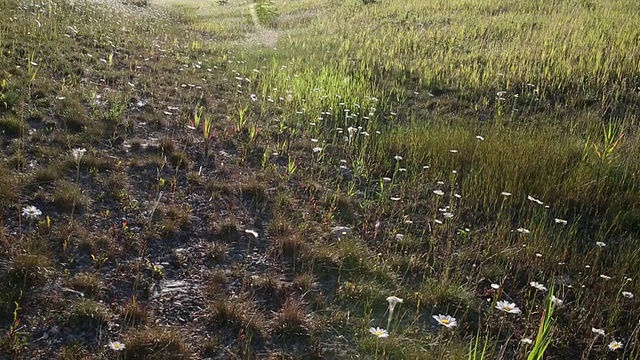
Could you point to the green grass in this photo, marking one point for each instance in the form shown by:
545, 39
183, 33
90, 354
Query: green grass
471, 147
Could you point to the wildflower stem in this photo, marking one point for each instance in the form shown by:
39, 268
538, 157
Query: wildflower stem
377, 345
73, 207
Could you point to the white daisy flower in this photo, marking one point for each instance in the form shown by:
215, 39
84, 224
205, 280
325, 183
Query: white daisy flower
597, 331
78, 153
380, 333
508, 307
615, 345
31, 212
438, 192
561, 221
538, 286
556, 301
393, 301
445, 320
252, 232
627, 294
531, 198
600, 244
526, 341
116, 345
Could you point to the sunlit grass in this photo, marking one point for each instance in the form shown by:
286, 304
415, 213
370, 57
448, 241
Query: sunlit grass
382, 180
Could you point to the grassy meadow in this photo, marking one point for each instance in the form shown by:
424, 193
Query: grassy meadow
319, 179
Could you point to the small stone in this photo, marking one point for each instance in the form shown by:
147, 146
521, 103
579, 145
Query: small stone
340, 231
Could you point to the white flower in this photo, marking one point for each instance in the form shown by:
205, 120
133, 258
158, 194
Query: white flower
600, 244
252, 232
597, 331
380, 333
523, 230
615, 345
479, 138
116, 345
561, 221
398, 157
78, 152
393, 301
447, 215
605, 277
531, 198
31, 212
453, 151
538, 286
495, 286
505, 193
526, 341
627, 294
438, 192
508, 307
317, 149
555, 300
445, 320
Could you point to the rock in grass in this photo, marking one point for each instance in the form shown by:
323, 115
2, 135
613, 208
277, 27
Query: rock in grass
340, 231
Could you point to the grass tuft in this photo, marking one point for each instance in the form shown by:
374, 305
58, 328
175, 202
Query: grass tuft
156, 343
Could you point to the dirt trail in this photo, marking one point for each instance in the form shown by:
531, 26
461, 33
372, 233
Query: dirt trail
257, 35
264, 36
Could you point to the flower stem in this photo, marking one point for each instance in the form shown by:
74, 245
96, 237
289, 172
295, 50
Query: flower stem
377, 344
